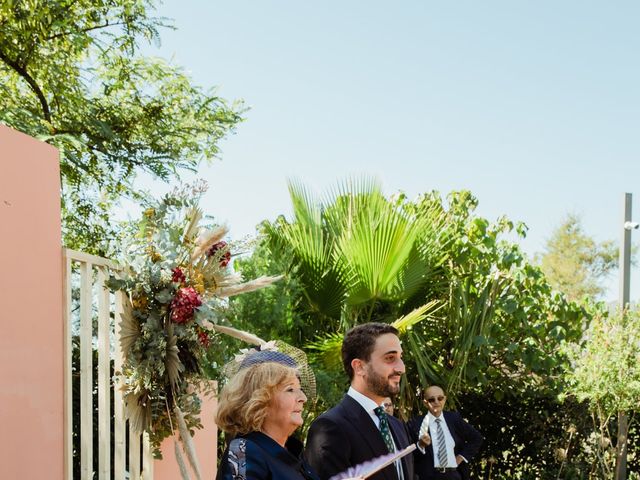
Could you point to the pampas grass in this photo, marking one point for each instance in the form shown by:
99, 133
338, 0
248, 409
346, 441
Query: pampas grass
239, 334
187, 442
183, 468
256, 284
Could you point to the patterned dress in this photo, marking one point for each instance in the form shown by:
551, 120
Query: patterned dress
257, 456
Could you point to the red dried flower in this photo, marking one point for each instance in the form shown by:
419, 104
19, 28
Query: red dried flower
178, 275
184, 304
215, 248
203, 338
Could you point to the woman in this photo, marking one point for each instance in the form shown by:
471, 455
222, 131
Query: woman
259, 408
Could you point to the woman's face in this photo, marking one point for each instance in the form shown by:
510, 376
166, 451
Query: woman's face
285, 409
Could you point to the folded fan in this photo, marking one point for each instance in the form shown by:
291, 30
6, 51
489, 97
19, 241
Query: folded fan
424, 428
368, 468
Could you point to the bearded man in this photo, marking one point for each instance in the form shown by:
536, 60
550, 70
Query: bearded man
358, 429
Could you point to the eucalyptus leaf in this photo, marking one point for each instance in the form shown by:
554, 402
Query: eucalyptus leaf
164, 296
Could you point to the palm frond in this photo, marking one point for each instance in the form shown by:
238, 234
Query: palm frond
377, 249
406, 322
311, 249
327, 351
423, 358
472, 307
306, 208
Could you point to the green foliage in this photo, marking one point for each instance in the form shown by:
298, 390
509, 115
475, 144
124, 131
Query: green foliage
605, 372
574, 263
533, 436
503, 325
71, 75
492, 323
606, 367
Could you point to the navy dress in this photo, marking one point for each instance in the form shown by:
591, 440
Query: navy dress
257, 456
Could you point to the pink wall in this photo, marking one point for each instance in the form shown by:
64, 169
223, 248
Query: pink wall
205, 441
31, 339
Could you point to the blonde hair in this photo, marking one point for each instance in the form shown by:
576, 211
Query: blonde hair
244, 400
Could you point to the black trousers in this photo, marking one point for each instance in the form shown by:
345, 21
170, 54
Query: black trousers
455, 475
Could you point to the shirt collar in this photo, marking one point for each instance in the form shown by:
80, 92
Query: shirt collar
364, 401
433, 418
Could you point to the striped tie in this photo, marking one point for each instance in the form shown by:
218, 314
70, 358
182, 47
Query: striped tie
442, 446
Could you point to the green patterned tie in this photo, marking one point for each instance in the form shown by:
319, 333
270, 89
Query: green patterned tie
384, 429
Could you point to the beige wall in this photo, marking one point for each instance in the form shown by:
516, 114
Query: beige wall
31, 325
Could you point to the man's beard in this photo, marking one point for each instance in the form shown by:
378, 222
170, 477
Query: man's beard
380, 385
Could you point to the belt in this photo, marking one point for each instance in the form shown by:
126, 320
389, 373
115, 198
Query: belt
445, 469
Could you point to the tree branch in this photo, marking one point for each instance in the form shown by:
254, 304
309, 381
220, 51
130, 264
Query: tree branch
22, 71
84, 30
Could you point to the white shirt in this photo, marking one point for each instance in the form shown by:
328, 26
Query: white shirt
448, 440
369, 407
366, 403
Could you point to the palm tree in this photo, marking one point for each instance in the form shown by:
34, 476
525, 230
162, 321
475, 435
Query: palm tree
360, 257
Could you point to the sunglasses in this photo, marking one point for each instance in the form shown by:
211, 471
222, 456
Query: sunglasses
433, 399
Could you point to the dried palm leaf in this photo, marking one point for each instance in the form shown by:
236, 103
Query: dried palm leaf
187, 442
207, 240
191, 229
129, 327
256, 284
172, 364
239, 334
183, 468
138, 410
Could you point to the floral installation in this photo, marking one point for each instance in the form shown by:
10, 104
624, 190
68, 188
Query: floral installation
177, 275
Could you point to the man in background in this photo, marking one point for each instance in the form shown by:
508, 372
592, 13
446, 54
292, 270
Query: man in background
387, 404
446, 442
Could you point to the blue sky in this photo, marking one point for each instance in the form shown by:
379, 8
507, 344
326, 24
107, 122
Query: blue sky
533, 106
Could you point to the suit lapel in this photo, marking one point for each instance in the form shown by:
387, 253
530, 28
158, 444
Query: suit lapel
360, 420
450, 418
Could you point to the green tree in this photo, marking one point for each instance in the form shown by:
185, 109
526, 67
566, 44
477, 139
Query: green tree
71, 75
574, 263
605, 371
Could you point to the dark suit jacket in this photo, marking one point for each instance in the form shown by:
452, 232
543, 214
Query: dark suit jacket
346, 436
468, 441
256, 456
